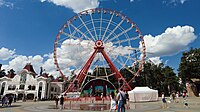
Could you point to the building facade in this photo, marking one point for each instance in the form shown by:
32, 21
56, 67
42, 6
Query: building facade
27, 85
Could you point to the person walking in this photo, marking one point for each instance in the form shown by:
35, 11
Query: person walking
56, 101
10, 100
164, 102
121, 100
61, 102
127, 100
113, 103
3, 100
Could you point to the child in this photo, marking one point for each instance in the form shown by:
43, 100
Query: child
164, 105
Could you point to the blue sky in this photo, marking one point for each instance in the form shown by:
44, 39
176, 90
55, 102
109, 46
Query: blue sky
28, 28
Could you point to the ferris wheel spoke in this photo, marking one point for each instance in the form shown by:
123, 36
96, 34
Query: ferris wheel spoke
104, 67
87, 28
100, 24
117, 56
129, 57
81, 32
114, 29
69, 35
93, 26
69, 28
108, 26
125, 40
109, 40
123, 65
83, 82
86, 32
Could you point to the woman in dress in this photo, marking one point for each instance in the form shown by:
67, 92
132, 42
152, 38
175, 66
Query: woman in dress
113, 104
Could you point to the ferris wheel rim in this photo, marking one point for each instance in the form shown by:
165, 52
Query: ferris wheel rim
100, 10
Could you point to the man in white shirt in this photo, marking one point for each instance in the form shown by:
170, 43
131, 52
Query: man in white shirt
120, 99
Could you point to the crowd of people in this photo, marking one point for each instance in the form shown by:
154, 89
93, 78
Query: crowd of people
174, 98
7, 100
61, 99
120, 102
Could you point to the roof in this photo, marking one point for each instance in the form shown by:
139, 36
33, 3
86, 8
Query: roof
45, 75
29, 67
11, 75
58, 79
142, 90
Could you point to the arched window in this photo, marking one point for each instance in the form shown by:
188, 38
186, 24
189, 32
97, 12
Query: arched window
55, 89
14, 87
29, 87
2, 88
10, 87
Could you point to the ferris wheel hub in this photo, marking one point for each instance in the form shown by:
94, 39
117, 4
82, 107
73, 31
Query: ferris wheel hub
99, 44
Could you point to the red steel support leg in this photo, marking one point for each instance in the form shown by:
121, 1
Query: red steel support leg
83, 71
114, 69
98, 48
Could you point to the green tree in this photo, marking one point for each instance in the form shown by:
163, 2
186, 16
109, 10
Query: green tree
170, 82
2, 71
11, 71
159, 77
190, 65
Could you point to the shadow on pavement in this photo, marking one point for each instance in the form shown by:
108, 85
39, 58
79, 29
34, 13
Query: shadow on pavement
10, 106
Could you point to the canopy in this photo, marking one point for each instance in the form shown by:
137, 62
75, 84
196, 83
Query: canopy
142, 94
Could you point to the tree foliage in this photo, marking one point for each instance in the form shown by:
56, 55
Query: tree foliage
2, 71
159, 77
190, 65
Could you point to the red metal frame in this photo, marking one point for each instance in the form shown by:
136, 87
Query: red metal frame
84, 70
98, 48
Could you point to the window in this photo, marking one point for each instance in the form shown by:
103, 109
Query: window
29, 87
52, 88
33, 87
55, 89
21, 86
13, 87
23, 78
10, 87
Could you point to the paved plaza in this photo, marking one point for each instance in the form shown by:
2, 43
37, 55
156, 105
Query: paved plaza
48, 106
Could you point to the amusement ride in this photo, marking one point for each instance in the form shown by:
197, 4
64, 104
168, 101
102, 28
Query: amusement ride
99, 46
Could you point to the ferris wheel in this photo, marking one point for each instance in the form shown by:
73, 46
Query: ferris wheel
99, 41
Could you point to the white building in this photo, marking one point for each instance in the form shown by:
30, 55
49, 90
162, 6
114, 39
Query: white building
29, 85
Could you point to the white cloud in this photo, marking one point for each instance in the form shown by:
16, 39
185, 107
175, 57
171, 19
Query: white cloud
72, 54
183, 1
6, 54
172, 41
174, 2
156, 60
134, 0
19, 62
4, 3
75, 5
